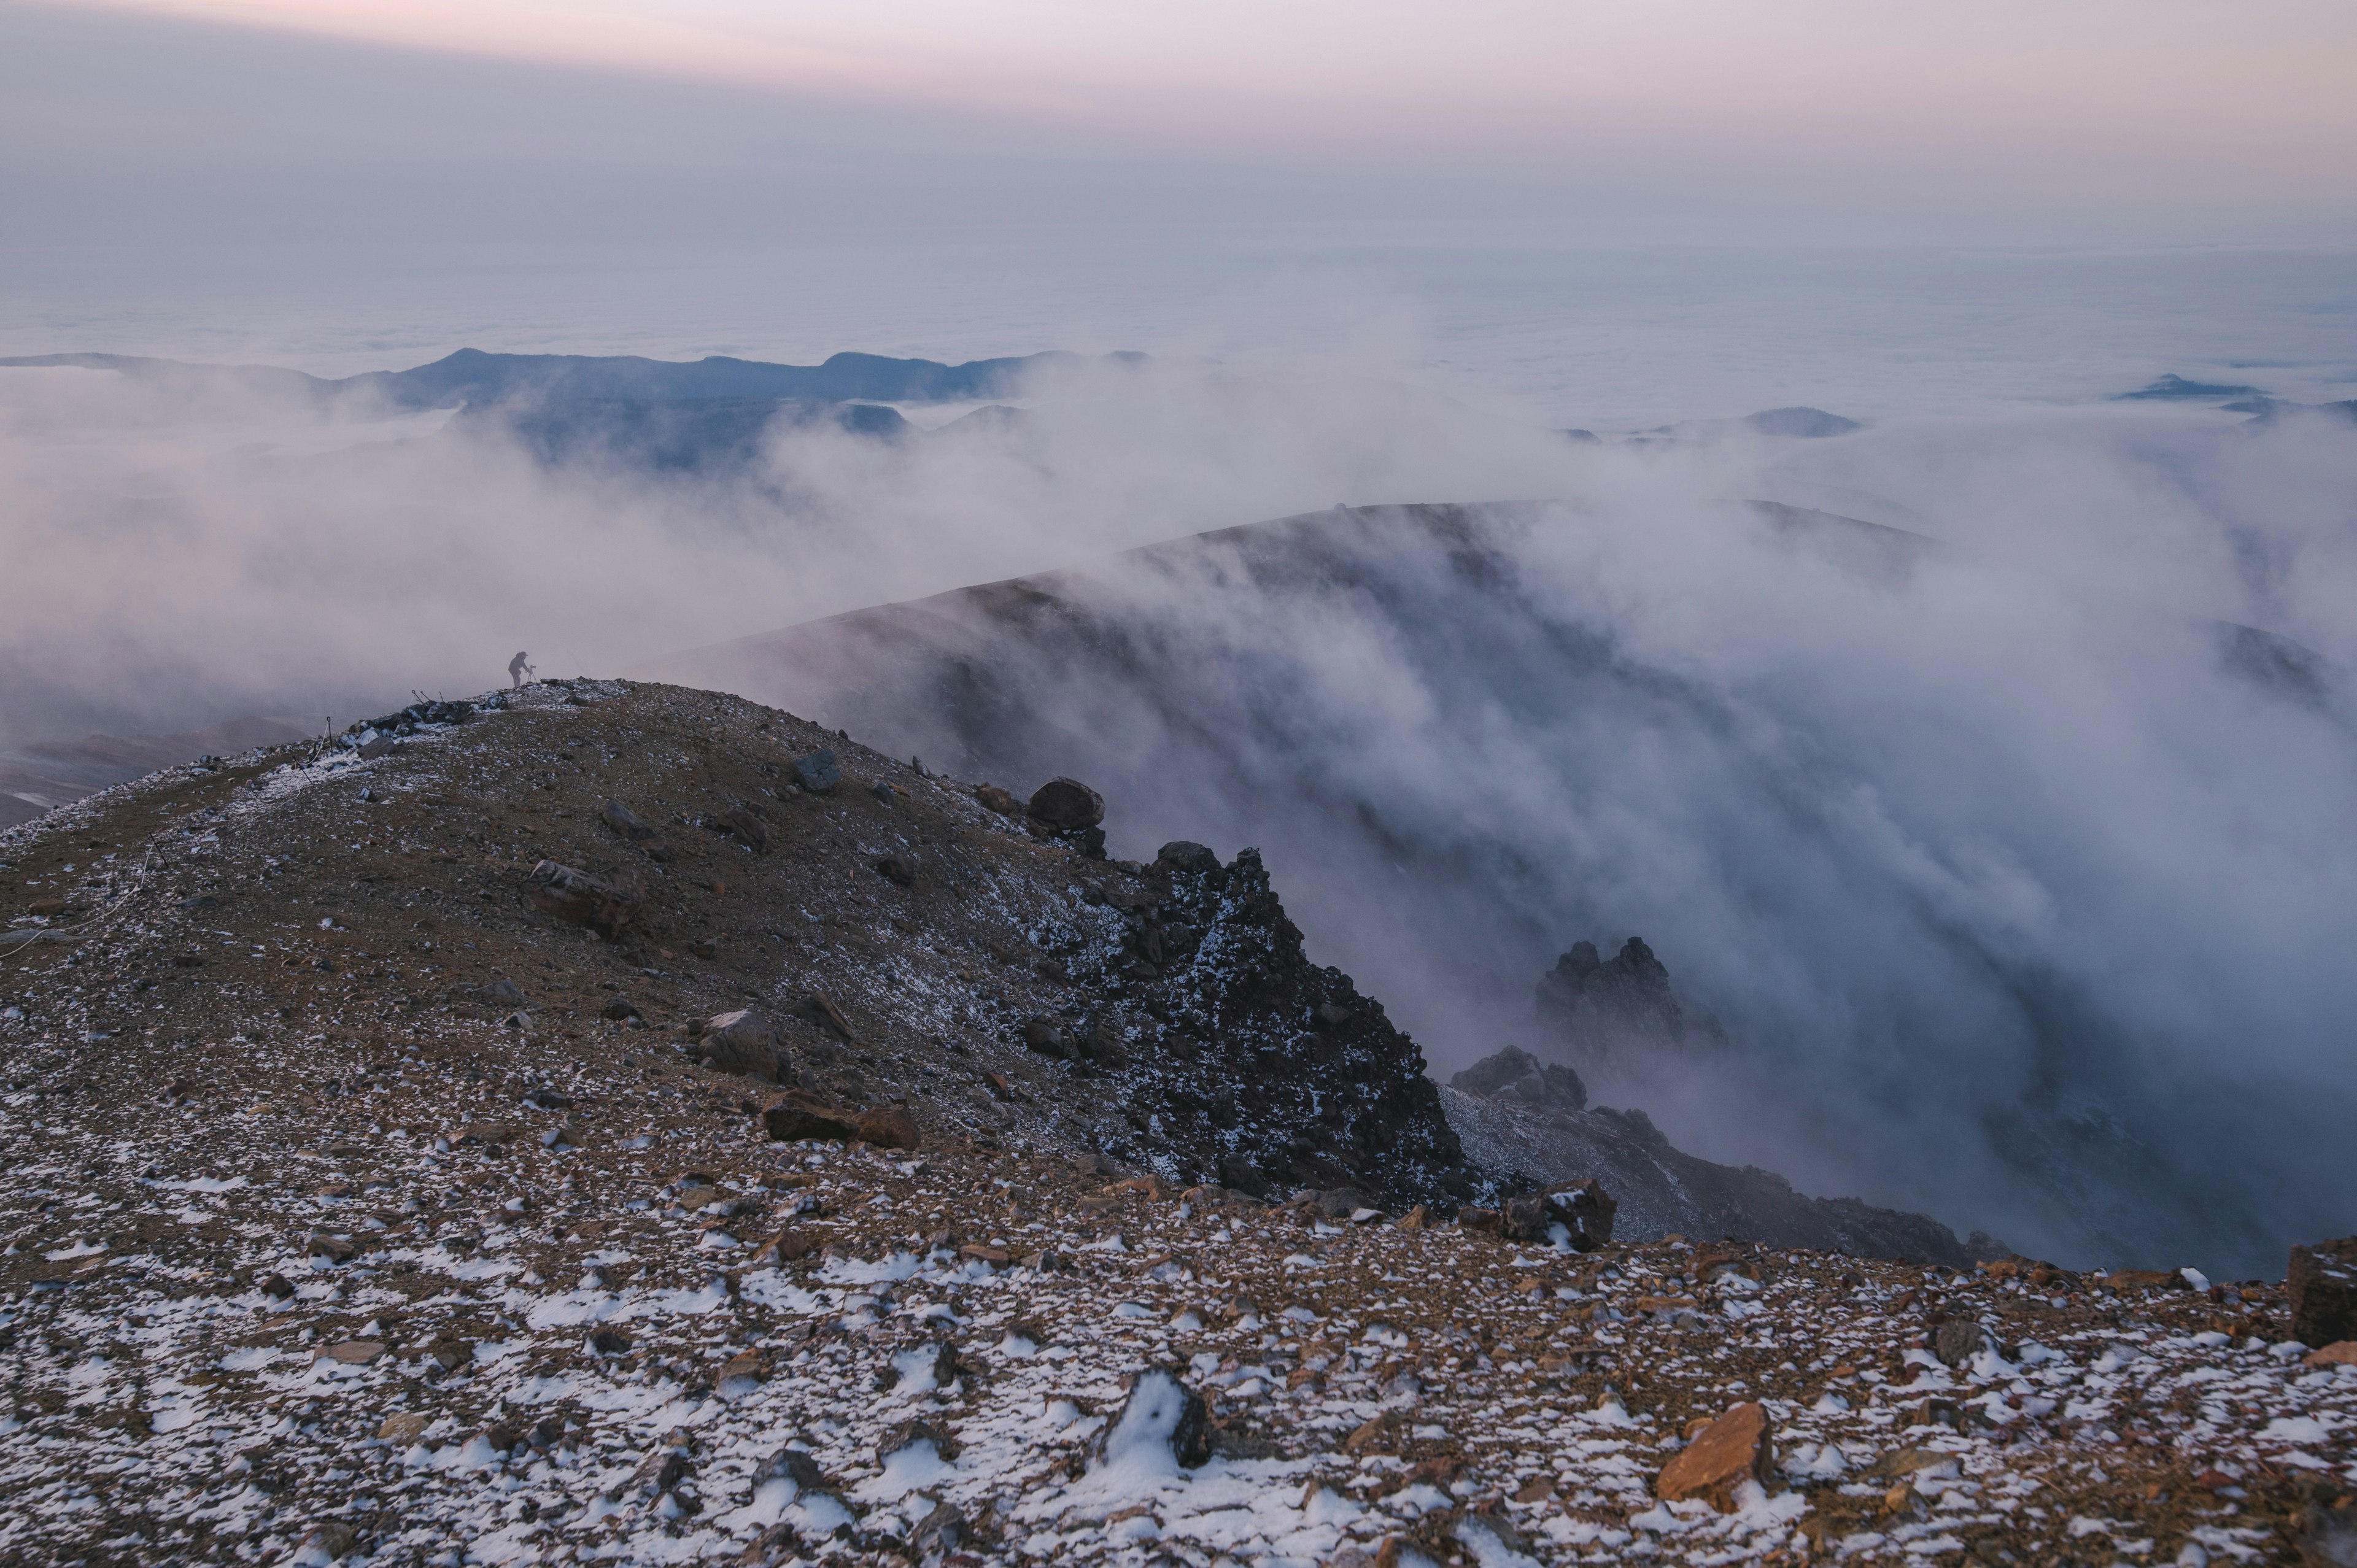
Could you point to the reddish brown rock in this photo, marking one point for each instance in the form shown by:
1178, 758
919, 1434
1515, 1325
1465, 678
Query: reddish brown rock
1735, 1448
889, 1129
783, 1248
999, 799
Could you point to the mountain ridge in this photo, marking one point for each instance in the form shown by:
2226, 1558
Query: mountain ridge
476, 376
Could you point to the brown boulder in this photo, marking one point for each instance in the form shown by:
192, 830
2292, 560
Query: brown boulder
999, 799
579, 897
797, 1118
2322, 1285
747, 827
1066, 805
783, 1248
1737, 1447
891, 1128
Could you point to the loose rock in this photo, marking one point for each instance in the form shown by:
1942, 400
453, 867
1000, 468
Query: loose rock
1735, 1448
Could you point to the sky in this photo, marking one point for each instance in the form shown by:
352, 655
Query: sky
2117, 121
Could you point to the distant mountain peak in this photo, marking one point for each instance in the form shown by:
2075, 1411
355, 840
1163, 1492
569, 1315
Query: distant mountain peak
2172, 388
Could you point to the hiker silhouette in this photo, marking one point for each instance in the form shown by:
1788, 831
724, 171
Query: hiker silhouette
517, 669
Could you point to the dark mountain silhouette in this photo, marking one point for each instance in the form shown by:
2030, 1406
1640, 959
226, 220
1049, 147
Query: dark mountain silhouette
2174, 388
471, 376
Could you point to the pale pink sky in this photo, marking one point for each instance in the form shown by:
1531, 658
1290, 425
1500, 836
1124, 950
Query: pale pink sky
2205, 114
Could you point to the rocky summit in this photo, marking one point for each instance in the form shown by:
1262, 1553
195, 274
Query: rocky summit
621, 1124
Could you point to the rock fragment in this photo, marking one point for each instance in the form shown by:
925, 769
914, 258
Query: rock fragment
1957, 1340
797, 1117
908, 1434
627, 822
794, 1464
1584, 1209
1735, 1448
744, 1042
352, 1352
1163, 1422
817, 772
1045, 1036
1187, 858
889, 1128
658, 1473
2322, 1285
746, 826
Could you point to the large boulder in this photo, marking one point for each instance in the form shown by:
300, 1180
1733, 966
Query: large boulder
1067, 805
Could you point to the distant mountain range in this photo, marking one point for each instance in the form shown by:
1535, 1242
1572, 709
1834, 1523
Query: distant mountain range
472, 377
2234, 399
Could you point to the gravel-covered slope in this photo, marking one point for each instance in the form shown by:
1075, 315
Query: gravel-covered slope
360, 1207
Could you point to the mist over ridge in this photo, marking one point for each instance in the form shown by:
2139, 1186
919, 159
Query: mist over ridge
2018, 888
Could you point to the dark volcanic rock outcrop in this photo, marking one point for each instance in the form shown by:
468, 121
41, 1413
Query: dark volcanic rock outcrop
1239, 1060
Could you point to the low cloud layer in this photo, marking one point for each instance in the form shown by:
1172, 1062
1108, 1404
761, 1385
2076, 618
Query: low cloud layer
2017, 872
